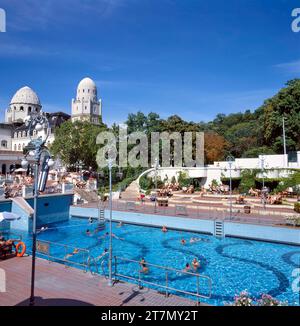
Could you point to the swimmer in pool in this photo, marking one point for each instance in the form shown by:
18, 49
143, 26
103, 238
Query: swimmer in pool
103, 254
120, 224
187, 267
195, 264
76, 251
144, 266
113, 235
164, 229
183, 242
88, 232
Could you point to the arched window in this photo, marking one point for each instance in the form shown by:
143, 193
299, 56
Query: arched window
15, 147
29, 109
19, 147
4, 143
24, 133
21, 108
15, 135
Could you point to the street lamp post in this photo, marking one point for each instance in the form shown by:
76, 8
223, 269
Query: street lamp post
37, 147
230, 161
110, 281
156, 166
263, 191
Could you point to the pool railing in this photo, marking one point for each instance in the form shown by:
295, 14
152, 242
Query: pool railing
44, 248
167, 270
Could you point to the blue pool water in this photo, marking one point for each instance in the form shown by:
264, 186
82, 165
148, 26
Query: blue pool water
233, 264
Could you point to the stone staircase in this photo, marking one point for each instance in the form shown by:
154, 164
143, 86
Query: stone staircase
89, 196
131, 192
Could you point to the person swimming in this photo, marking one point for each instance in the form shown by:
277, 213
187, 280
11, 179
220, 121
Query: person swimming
91, 220
103, 254
183, 242
120, 224
195, 239
144, 266
195, 264
88, 232
76, 251
113, 235
187, 267
164, 229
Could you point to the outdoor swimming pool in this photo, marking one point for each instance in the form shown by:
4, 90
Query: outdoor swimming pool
233, 264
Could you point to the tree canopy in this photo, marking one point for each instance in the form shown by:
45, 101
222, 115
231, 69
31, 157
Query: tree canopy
246, 134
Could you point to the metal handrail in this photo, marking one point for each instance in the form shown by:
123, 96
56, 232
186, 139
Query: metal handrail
64, 260
167, 287
91, 258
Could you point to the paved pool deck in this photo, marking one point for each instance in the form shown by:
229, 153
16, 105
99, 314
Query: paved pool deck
57, 285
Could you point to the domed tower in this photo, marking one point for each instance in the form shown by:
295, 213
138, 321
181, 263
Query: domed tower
24, 103
86, 106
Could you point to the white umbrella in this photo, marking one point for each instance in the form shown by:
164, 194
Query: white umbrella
6, 216
20, 170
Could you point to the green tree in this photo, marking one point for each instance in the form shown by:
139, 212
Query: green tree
76, 142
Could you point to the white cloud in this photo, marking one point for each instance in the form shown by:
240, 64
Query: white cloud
31, 14
18, 49
292, 67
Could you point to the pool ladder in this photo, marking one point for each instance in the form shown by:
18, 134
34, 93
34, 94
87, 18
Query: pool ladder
219, 229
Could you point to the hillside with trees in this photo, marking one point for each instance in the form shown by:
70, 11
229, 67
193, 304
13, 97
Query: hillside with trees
246, 134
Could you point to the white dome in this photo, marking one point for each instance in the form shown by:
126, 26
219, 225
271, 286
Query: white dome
25, 95
87, 83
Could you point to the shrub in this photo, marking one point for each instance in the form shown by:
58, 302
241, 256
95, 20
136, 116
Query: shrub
297, 207
184, 180
267, 300
294, 220
247, 180
243, 300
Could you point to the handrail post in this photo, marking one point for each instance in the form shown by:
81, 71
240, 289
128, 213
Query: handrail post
198, 291
115, 266
167, 284
139, 281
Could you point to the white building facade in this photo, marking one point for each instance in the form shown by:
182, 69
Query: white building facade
86, 106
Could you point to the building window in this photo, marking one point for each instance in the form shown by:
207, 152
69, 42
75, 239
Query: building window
21, 109
19, 147
4, 143
15, 147
29, 109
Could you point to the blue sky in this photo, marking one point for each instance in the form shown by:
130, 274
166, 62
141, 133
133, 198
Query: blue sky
194, 58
